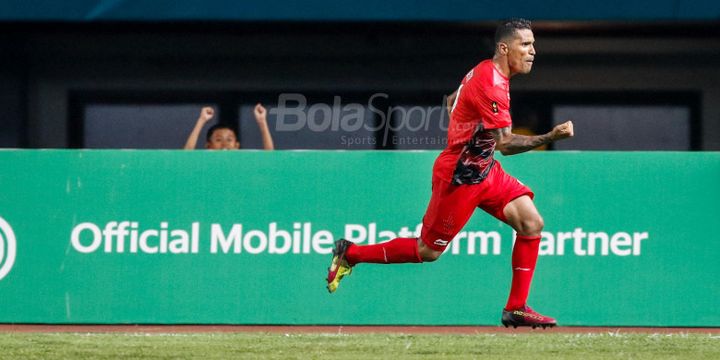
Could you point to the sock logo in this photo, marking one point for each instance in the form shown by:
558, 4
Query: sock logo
7, 248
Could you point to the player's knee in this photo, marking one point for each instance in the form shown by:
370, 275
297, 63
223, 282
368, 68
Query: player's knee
427, 254
531, 226
431, 256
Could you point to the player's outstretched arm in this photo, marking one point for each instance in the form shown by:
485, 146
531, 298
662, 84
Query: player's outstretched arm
510, 144
261, 118
206, 114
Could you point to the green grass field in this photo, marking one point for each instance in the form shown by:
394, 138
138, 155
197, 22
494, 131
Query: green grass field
358, 346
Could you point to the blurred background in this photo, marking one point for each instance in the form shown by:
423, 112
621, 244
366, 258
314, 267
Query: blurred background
632, 75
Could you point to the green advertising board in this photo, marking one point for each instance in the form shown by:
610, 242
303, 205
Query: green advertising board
244, 238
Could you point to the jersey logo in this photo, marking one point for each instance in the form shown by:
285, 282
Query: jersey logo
494, 107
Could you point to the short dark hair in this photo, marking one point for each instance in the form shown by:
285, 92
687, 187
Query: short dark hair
509, 27
216, 127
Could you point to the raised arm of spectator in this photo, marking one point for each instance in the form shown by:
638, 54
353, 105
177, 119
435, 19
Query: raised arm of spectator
206, 114
261, 118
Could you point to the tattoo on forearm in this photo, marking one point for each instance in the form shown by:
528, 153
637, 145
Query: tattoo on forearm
509, 143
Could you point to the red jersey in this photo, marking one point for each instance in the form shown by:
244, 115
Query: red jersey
482, 103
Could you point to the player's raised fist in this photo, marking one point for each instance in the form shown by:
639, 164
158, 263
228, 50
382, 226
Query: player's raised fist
563, 131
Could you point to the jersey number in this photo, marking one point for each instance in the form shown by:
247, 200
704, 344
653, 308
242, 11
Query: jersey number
457, 97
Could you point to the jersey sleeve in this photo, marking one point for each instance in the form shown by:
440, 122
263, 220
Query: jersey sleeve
493, 105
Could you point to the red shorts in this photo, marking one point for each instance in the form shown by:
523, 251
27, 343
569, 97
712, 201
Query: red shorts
451, 205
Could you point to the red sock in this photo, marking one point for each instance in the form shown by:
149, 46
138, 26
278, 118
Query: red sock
399, 250
524, 258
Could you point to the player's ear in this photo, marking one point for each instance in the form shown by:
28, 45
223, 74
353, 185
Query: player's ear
502, 48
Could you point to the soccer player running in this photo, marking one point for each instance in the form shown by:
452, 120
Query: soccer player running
466, 176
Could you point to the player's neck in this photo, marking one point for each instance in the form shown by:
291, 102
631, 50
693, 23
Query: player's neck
502, 66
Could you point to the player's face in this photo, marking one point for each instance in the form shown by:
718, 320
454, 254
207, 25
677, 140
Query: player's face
223, 139
521, 52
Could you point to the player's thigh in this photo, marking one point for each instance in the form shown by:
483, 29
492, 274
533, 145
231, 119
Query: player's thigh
449, 210
523, 216
500, 189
